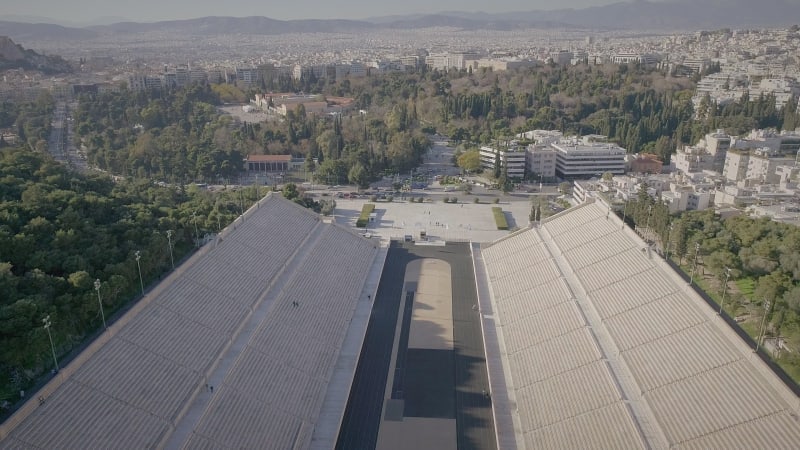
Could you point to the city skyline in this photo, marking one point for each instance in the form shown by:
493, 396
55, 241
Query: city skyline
75, 13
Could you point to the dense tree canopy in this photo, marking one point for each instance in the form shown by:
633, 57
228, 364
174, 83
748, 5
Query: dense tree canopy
176, 136
30, 121
762, 253
60, 231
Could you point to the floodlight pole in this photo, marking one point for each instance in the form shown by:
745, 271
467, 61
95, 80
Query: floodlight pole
724, 288
139, 265
196, 233
761, 329
169, 239
624, 211
100, 302
696, 252
46, 321
669, 240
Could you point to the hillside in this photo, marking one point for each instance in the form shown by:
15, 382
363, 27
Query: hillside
14, 56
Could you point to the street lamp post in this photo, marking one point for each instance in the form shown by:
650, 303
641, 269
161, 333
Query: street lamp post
724, 288
761, 329
100, 302
647, 226
46, 321
169, 240
139, 265
694, 268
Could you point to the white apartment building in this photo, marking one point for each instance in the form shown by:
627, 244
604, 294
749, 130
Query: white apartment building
721, 87
145, 82
717, 145
756, 166
318, 71
410, 62
787, 176
685, 198
696, 64
502, 64
736, 162
562, 57
198, 76
785, 142
447, 61
437, 61
763, 166
541, 160
216, 76
356, 70
576, 159
637, 58
708, 154
386, 66
247, 75
299, 72
513, 159
460, 60
782, 88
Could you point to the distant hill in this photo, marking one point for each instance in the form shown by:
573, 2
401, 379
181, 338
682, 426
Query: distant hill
674, 15
233, 25
21, 31
466, 22
664, 16
670, 15
13, 56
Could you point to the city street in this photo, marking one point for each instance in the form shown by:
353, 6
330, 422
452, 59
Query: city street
61, 142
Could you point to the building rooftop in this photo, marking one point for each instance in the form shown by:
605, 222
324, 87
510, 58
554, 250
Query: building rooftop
269, 158
577, 148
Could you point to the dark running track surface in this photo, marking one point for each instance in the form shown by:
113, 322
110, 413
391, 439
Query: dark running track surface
361, 421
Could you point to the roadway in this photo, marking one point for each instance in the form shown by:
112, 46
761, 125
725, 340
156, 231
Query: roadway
469, 381
60, 145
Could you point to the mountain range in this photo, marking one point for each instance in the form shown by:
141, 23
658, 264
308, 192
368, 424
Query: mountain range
664, 16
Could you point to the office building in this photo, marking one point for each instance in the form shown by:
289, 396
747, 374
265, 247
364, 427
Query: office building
579, 158
512, 159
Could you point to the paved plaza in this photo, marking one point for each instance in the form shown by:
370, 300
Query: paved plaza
440, 221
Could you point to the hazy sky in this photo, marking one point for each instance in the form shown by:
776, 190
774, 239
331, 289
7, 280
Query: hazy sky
85, 11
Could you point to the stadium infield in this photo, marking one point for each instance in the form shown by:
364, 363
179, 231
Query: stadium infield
420, 381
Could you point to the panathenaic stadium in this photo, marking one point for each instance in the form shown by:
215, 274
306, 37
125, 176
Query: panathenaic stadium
292, 331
